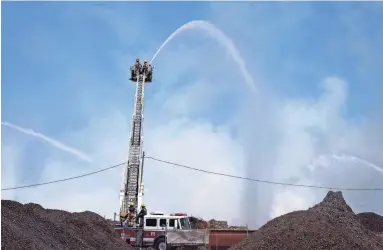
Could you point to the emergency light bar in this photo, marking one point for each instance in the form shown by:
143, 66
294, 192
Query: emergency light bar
178, 214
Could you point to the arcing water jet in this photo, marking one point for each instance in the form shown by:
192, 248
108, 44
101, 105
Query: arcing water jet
220, 37
325, 160
344, 158
51, 141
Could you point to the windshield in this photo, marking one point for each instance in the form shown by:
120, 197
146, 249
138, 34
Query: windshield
185, 223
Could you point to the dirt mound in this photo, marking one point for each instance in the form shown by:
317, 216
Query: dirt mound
372, 221
329, 225
198, 223
31, 226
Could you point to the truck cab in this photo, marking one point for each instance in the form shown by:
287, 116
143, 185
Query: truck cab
160, 221
165, 231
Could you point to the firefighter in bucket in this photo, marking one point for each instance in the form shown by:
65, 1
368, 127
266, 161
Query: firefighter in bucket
145, 69
135, 70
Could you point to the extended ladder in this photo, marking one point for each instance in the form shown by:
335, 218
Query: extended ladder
133, 172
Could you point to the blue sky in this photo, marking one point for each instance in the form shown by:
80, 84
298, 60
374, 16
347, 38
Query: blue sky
55, 42
64, 73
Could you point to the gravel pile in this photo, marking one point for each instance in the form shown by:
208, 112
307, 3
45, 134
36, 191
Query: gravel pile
198, 223
31, 226
372, 221
329, 225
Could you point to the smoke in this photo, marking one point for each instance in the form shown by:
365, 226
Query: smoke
51, 141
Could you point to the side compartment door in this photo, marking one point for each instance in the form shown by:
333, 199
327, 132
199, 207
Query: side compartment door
150, 231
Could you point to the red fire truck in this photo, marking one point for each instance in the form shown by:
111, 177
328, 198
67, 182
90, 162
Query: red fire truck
164, 231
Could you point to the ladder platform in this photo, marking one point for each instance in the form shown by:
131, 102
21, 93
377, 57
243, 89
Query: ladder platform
134, 80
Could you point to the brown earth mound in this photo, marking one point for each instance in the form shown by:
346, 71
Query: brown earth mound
198, 223
372, 221
329, 225
31, 226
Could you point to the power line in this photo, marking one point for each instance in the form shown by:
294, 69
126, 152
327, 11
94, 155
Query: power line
61, 180
264, 181
203, 171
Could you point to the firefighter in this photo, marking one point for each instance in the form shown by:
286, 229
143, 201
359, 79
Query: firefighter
140, 216
145, 67
136, 69
132, 214
150, 71
123, 218
132, 209
138, 64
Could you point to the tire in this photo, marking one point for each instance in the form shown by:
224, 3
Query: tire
160, 244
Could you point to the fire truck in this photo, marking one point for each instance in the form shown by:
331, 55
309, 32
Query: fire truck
159, 230
164, 231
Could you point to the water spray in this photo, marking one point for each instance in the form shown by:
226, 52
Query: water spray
220, 37
50, 140
326, 160
352, 158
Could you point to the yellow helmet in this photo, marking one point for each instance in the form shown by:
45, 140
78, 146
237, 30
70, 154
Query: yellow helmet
143, 205
146, 61
131, 204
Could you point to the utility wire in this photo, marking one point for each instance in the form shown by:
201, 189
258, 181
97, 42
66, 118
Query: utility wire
61, 180
200, 170
264, 181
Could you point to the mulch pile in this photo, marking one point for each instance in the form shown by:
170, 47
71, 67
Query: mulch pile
329, 225
198, 223
30, 226
372, 221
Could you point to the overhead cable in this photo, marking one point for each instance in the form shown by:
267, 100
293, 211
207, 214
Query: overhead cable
203, 171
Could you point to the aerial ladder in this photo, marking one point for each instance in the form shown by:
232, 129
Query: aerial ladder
132, 187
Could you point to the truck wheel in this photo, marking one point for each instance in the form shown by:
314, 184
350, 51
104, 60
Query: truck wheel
161, 244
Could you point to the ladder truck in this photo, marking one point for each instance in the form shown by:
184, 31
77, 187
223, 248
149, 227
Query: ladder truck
132, 187
158, 230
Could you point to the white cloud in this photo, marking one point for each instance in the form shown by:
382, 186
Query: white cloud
199, 145
170, 189
10, 174
306, 132
289, 200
